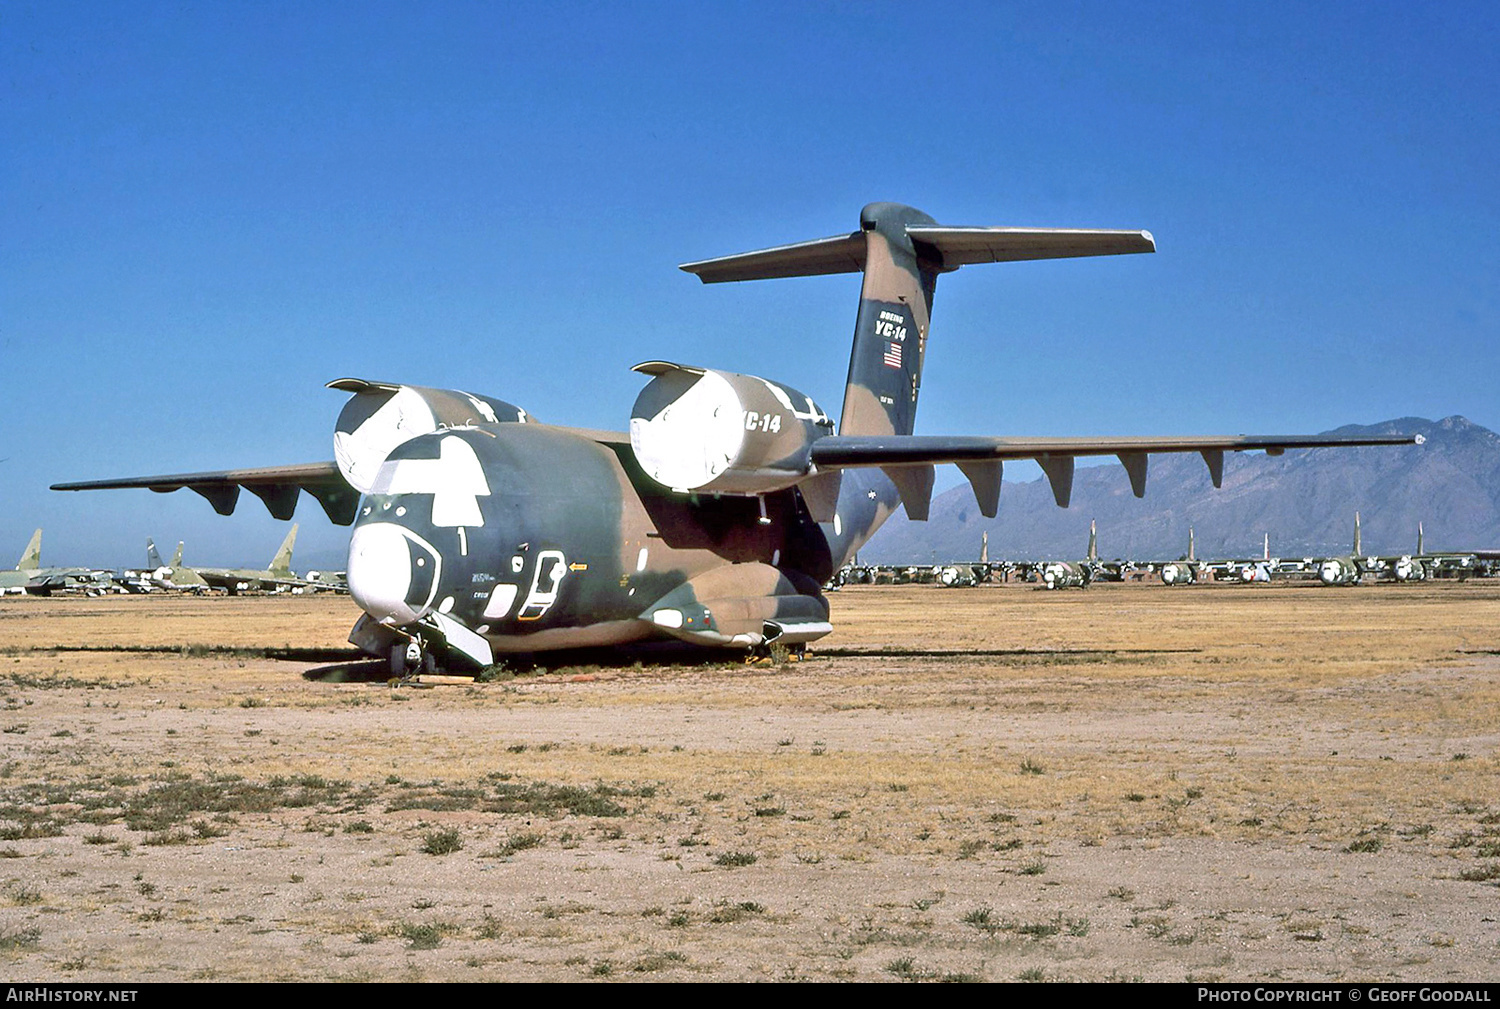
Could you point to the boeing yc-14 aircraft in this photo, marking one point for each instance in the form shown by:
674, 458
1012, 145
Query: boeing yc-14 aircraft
480, 531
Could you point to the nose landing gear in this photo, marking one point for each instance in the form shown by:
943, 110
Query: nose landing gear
412, 658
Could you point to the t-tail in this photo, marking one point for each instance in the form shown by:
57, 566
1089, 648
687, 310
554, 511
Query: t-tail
901, 251
31, 560
281, 564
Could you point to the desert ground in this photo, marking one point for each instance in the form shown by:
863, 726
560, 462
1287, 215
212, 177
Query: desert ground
1128, 782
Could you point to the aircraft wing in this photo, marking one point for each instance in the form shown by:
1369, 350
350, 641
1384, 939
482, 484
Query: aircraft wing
908, 459
277, 486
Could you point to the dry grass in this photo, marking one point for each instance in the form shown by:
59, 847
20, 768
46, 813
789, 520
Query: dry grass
1244, 783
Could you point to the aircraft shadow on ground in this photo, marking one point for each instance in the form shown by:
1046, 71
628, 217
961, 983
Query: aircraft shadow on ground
356, 667
681, 654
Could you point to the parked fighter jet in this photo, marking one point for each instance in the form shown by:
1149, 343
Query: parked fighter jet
715, 520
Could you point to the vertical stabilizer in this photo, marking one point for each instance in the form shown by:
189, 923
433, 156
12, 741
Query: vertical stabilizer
1358, 548
1265, 551
281, 564
177, 557
890, 331
1192, 548
1419, 539
901, 251
1093, 541
31, 560
984, 547
153, 556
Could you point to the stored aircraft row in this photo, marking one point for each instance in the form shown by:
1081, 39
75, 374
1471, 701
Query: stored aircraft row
716, 518
30, 577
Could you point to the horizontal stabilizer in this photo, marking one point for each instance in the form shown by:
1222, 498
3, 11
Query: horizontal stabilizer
965, 246
839, 254
277, 486
946, 247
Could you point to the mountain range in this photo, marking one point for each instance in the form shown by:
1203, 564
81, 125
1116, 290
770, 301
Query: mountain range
1305, 500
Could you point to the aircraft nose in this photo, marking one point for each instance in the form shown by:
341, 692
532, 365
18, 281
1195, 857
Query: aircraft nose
381, 574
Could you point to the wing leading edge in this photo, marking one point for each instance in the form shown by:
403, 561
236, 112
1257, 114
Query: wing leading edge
908, 459
277, 486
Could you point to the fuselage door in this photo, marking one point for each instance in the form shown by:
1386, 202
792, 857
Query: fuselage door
551, 566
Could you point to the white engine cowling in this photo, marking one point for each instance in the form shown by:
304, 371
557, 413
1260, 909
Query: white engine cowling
1409, 569
1178, 573
381, 416
1338, 571
694, 429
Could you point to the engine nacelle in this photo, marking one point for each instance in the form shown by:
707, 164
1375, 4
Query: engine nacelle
1178, 573
1338, 571
1408, 569
1062, 575
382, 416
693, 429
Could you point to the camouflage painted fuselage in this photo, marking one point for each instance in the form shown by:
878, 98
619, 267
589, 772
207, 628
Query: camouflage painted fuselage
562, 541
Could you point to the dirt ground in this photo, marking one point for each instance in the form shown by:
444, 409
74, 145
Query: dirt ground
1129, 782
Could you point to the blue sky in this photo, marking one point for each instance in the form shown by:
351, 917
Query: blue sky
209, 210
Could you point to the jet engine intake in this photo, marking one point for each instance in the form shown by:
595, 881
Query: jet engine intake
381, 416
694, 429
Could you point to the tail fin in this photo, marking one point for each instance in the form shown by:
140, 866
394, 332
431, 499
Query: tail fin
1419, 539
901, 251
281, 564
177, 557
1192, 550
1093, 541
1265, 551
984, 547
31, 560
890, 331
1357, 547
153, 558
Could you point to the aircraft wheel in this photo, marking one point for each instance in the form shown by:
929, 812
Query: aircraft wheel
398, 660
429, 663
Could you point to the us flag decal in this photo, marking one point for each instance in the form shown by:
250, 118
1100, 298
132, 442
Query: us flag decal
893, 355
